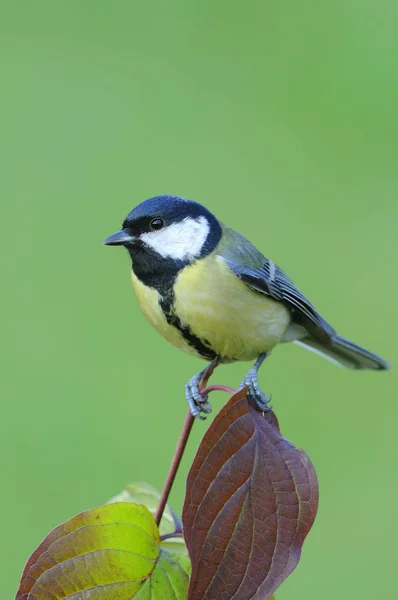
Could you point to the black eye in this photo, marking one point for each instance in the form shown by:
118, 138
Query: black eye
156, 224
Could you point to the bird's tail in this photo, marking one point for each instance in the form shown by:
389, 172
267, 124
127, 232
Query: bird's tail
344, 353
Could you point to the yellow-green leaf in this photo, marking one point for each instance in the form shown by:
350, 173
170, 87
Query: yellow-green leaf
176, 545
144, 493
108, 553
166, 583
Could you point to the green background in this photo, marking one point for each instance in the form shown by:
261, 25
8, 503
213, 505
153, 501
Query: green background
282, 119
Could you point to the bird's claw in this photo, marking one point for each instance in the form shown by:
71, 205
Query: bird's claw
198, 404
255, 393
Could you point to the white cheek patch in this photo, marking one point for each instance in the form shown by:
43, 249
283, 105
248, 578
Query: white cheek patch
180, 241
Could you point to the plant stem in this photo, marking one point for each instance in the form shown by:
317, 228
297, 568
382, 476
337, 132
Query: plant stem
175, 463
218, 388
170, 536
181, 445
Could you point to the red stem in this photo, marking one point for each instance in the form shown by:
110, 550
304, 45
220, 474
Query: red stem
175, 463
218, 388
183, 439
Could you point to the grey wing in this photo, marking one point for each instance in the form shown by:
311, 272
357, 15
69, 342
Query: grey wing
270, 280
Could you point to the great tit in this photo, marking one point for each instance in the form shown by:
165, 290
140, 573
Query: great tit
210, 292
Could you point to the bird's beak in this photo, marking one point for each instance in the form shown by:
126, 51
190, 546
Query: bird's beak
120, 238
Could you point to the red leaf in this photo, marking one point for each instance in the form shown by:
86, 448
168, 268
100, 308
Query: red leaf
251, 499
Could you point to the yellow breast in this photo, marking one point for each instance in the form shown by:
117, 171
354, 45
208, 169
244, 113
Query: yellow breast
219, 309
148, 300
238, 323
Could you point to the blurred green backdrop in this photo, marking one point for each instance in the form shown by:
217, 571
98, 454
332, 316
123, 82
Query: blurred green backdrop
282, 119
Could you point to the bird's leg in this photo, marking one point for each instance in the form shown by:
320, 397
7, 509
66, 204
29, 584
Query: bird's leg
251, 380
198, 403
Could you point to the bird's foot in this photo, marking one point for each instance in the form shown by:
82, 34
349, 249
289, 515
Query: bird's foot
262, 401
255, 393
198, 403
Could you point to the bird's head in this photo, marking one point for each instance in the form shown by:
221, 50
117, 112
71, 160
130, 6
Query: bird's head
170, 228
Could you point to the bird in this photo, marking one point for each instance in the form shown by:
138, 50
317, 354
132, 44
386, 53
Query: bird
210, 292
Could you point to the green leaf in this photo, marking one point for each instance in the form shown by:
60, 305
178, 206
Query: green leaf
109, 553
144, 493
166, 582
177, 545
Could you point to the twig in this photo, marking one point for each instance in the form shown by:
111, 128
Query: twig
218, 388
175, 463
168, 536
182, 442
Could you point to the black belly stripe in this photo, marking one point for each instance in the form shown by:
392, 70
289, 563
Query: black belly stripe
161, 274
202, 347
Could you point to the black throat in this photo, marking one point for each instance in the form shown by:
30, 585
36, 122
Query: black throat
153, 270
160, 273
